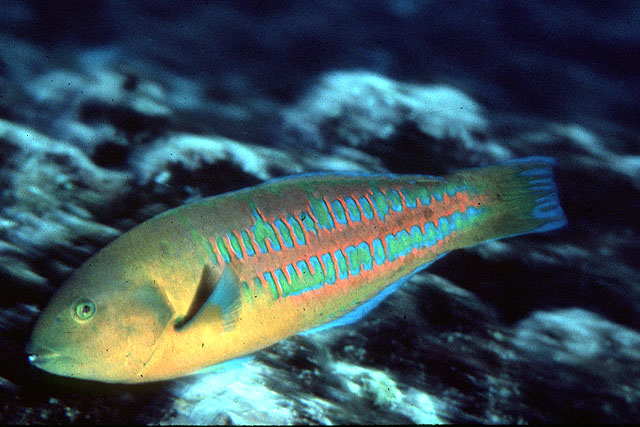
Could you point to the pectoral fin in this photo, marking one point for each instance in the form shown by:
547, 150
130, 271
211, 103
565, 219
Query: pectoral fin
227, 296
212, 298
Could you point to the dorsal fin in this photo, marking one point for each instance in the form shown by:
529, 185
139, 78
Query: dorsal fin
223, 294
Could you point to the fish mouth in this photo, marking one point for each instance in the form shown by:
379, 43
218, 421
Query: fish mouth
40, 356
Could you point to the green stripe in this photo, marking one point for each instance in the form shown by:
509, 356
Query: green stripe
271, 284
297, 230
235, 245
380, 203
222, 248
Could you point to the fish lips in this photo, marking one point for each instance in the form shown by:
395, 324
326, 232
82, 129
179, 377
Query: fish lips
41, 357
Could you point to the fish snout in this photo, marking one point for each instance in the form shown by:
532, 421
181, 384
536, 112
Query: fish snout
39, 356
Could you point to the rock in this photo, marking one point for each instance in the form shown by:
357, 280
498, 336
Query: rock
359, 107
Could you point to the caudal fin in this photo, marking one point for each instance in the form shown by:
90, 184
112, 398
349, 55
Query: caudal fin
517, 197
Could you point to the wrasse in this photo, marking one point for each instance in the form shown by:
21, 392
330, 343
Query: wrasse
228, 275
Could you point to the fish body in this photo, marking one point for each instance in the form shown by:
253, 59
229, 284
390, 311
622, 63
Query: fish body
228, 275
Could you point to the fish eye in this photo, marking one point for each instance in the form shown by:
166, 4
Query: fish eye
84, 309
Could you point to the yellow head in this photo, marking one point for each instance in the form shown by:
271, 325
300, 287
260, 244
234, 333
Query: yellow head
106, 320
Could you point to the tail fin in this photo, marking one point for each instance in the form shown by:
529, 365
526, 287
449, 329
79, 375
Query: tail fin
518, 197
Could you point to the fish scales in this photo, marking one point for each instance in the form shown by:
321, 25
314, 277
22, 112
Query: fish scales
282, 268
228, 275
327, 240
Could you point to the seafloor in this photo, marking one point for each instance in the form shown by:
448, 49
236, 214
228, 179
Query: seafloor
114, 112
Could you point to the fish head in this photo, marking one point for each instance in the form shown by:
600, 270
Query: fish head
104, 323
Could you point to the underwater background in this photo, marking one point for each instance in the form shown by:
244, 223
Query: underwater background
114, 111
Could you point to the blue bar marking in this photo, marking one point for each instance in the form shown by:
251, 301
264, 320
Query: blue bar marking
222, 249
378, 251
443, 226
472, 212
308, 222
396, 200
352, 208
368, 262
417, 237
431, 233
411, 204
452, 191
248, 246
282, 280
406, 244
304, 268
355, 267
268, 277
389, 241
321, 204
330, 268
338, 211
342, 264
292, 272
297, 230
285, 234
367, 209
456, 219
235, 245
318, 273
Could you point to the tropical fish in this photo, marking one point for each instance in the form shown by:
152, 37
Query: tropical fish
228, 275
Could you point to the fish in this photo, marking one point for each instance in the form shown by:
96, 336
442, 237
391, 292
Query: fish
220, 278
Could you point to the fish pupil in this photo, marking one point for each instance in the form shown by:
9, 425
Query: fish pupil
84, 309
